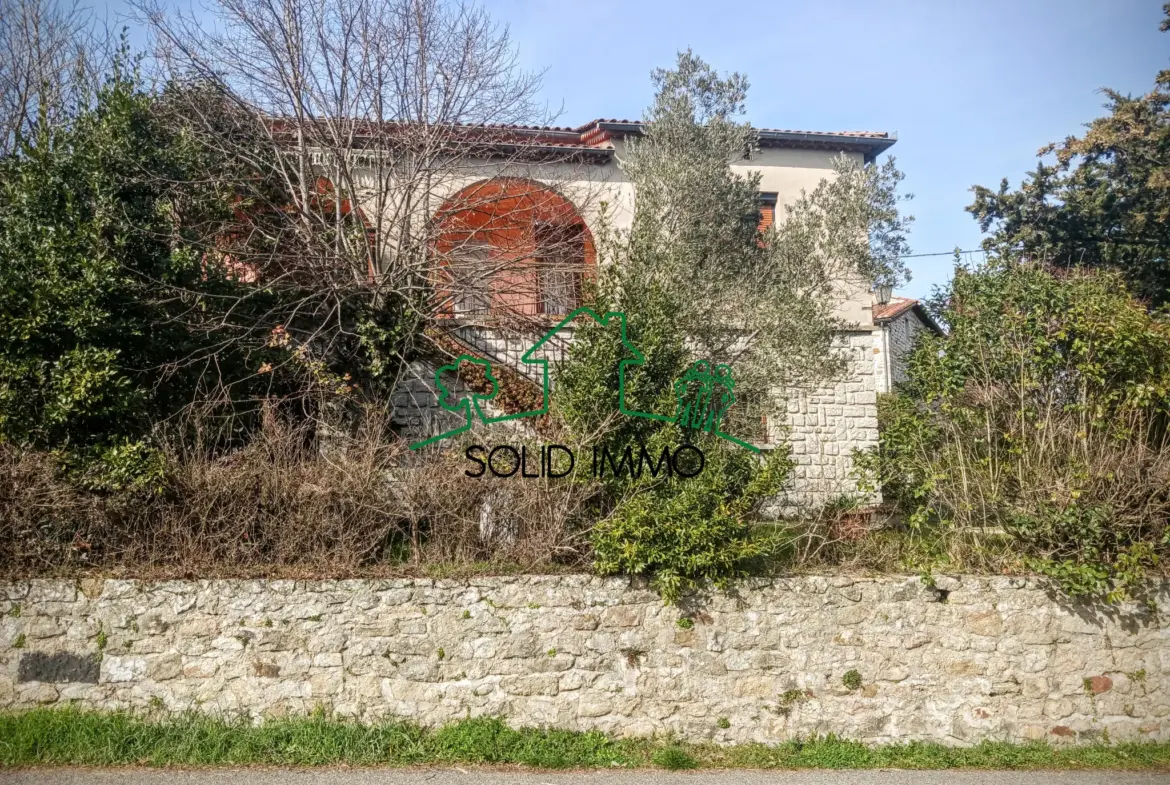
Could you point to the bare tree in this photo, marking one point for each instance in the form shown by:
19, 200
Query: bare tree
365, 119
51, 59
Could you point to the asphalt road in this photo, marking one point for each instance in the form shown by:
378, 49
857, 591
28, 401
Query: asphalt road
471, 776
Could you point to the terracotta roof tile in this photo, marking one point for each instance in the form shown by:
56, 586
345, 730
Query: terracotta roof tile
598, 135
860, 134
899, 306
893, 309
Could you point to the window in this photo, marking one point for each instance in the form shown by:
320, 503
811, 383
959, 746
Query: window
471, 279
560, 263
767, 210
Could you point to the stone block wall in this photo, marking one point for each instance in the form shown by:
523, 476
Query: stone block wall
897, 337
825, 426
416, 411
976, 658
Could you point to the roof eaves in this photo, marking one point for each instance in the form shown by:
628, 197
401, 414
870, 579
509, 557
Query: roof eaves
872, 144
889, 314
621, 126
549, 152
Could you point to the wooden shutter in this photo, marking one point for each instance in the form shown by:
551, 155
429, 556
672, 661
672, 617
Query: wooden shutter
767, 211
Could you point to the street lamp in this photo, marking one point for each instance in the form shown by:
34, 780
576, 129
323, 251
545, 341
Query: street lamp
884, 293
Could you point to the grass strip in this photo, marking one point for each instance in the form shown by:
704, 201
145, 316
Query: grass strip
70, 736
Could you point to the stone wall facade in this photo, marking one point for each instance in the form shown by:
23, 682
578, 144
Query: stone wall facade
897, 338
974, 658
417, 414
825, 425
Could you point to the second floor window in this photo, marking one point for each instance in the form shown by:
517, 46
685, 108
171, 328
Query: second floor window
767, 213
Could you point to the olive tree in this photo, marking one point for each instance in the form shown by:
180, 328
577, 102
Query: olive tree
765, 301
702, 288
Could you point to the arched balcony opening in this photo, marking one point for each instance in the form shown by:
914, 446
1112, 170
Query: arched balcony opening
510, 247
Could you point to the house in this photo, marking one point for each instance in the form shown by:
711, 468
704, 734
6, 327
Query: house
898, 323
515, 243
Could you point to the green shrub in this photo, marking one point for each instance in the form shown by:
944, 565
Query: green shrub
1043, 414
123, 232
683, 532
99, 278
678, 531
851, 680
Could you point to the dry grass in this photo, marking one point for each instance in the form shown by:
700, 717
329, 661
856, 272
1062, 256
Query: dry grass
282, 507
540, 523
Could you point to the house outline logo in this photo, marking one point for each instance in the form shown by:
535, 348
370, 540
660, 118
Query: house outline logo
701, 371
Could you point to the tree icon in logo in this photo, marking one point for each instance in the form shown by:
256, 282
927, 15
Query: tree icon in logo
456, 402
703, 395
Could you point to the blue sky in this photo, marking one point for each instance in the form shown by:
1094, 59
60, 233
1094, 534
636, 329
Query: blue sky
972, 89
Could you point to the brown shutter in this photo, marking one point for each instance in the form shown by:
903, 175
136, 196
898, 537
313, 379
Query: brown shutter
767, 211
767, 216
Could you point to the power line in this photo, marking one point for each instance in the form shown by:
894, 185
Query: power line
940, 253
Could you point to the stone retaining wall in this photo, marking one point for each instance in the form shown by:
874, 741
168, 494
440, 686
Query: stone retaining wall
977, 658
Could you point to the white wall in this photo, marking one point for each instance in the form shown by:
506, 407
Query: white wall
784, 172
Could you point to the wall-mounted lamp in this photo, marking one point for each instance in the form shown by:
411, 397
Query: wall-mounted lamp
884, 292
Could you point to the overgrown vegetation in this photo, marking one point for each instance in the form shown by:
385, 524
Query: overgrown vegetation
56, 737
1042, 415
278, 507
1034, 436
203, 321
144, 281
200, 327
93, 350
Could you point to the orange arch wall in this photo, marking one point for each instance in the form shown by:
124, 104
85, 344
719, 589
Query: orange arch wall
526, 230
